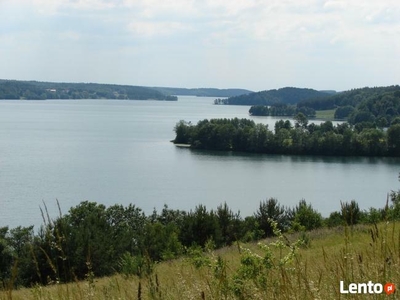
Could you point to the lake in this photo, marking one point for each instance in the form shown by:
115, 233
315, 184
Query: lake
119, 151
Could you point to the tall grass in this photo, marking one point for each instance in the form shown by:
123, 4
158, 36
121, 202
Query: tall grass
295, 266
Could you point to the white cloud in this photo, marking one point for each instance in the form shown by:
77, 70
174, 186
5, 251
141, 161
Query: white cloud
233, 36
149, 29
334, 5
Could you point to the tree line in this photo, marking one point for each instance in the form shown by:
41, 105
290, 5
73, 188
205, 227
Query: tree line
94, 240
379, 106
287, 95
34, 90
299, 138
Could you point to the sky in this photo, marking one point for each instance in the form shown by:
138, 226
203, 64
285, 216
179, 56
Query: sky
251, 44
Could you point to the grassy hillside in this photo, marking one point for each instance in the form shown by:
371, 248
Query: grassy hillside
297, 266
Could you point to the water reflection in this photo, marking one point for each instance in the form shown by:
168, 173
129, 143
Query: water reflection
231, 155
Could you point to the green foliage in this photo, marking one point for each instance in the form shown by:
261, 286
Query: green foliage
199, 227
378, 105
135, 265
393, 140
335, 219
6, 257
344, 112
268, 211
197, 257
161, 242
34, 90
306, 217
183, 132
92, 240
351, 212
394, 208
230, 225
301, 120
287, 95
363, 139
253, 277
280, 110
251, 229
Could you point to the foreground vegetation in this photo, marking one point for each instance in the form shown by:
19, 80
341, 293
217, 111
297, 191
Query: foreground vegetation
292, 266
93, 241
301, 139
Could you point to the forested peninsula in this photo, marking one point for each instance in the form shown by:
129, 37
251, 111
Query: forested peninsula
299, 138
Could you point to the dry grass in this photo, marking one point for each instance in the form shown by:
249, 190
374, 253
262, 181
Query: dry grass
357, 254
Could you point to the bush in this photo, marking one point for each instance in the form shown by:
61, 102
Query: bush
335, 219
306, 216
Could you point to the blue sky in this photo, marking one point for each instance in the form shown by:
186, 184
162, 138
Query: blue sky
249, 44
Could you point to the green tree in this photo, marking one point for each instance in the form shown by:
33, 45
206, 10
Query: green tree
301, 120
306, 216
373, 142
259, 138
6, 257
161, 242
344, 112
89, 239
199, 227
183, 132
229, 225
351, 212
393, 140
270, 210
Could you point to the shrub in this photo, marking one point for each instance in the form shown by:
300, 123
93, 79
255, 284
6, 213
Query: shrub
306, 216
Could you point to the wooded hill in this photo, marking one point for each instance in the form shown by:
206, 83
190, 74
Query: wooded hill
287, 95
379, 106
35, 90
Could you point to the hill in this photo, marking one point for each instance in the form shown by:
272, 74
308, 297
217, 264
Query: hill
35, 90
202, 92
287, 95
377, 105
313, 268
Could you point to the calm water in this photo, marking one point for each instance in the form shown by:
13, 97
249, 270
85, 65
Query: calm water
119, 152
